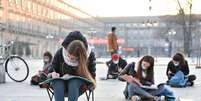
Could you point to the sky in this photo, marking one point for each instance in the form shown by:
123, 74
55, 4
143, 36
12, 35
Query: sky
111, 8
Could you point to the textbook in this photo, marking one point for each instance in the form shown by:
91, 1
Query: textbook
150, 87
66, 78
131, 80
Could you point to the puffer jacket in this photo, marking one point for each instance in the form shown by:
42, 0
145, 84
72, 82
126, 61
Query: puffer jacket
58, 65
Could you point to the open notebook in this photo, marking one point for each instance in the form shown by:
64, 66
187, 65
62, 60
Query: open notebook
150, 87
66, 78
144, 87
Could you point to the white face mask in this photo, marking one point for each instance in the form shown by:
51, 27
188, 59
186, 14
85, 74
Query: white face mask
68, 60
176, 64
46, 60
116, 62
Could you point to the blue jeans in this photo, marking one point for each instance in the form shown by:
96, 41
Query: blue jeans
134, 89
72, 86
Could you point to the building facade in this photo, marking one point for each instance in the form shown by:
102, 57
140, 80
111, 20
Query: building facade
36, 26
153, 35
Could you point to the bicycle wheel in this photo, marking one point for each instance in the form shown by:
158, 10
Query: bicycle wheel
16, 68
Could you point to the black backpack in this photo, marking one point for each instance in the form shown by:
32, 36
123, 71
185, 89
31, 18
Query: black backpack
37, 79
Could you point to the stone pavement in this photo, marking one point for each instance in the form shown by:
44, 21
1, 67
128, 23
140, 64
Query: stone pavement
110, 90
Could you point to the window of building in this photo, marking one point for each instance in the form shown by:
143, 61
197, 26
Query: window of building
34, 10
29, 6
12, 2
1, 13
39, 10
19, 3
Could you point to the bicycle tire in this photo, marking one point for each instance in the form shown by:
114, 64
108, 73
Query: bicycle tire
8, 72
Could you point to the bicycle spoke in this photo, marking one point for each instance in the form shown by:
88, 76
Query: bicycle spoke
17, 69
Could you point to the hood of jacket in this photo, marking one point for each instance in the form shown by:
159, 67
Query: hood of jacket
75, 35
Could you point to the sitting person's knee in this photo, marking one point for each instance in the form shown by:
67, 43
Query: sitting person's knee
57, 82
132, 86
192, 77
74, 82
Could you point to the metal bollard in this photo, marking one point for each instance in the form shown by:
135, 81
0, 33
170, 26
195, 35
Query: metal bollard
2, 73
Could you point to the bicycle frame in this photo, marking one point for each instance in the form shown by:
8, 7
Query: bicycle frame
7, 57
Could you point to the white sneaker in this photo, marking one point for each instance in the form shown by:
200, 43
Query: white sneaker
138, 98
161, 98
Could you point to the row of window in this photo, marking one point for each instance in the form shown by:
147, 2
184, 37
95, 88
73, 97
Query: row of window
44, 12
28, 23
50, 13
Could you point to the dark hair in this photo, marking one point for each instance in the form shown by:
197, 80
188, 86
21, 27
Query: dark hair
75, 35
48, 54
113, 29
180, 58
150, 70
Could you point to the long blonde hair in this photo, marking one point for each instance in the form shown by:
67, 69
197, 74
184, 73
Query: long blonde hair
77, 49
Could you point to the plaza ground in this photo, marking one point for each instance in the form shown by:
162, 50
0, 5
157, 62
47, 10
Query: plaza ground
110, 90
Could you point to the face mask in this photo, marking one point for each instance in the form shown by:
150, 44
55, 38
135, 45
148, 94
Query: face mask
72, 62
46, 60
143, 67
68, 60
116, 62
176, 64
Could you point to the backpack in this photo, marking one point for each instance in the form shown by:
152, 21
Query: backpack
37, 79
43, 77
178, 80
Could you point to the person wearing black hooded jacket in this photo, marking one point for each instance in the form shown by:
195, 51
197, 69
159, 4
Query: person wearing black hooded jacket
178, 63
60, 65
115, 66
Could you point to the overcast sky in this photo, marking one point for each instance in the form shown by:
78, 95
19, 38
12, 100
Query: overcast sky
133, 7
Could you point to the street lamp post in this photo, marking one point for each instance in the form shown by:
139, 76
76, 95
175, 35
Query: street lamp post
50, 38
91, 35
2, 69
198, 64
170, 34
2, 29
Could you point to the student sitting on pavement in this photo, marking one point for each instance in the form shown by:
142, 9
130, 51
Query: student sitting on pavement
115, 66
144, 77
178, 63
42, 74
74, 58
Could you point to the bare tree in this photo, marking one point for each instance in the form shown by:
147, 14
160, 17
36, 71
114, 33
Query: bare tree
184, 19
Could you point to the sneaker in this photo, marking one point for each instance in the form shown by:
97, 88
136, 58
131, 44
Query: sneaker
161, 98
136, 98
189, 83
103, 78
